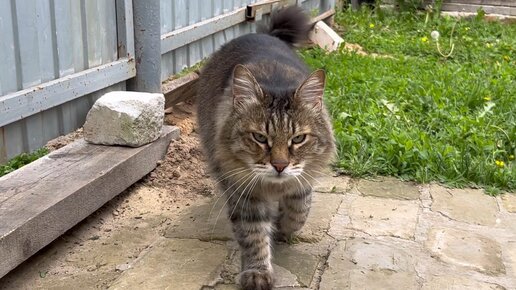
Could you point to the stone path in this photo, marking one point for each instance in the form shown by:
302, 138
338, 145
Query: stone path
360, 235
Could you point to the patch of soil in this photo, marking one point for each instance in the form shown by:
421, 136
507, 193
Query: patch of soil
183, 169
62, 141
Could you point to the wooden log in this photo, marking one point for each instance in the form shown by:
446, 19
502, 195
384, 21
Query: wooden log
42, 200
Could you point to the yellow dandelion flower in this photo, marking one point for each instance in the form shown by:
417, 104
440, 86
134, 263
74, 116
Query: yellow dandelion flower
488, 98
371, 25
424, 39
500, 163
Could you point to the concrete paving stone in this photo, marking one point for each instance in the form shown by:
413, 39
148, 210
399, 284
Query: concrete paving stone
88, 265
374, 280
466, 249
324, 206
235, 287
331, 184
509, 202
174, 264
284, 278
379, 216
224, 287
510, 254
197, 223
340, 227
379, 255
364, 264
294, 264
389, 187
301, 260
450, 282
466, 205
84, 280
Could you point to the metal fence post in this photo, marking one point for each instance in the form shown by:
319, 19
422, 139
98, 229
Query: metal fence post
147, 42
355, 4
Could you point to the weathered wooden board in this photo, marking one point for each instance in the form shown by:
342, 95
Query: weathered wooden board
474, 8
326, 17
24, 103
180, 90
507, 3
325, 37
42, 200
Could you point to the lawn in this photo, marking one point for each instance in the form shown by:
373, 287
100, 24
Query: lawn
416, 113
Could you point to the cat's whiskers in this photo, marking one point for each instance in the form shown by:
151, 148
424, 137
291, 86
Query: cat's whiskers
246, 198
299, 185
314, 179
231, 173
248, 194
242, 193
311, 189
218, 198
319, 172
246, 176
307, 182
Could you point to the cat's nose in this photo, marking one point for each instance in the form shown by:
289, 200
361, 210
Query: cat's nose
279, 165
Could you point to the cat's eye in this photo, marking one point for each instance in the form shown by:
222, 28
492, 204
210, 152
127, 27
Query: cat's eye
260, 138
299, 139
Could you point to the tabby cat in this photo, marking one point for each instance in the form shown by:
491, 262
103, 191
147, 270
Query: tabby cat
266, 134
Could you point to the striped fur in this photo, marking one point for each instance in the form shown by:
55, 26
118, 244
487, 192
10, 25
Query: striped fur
267, 136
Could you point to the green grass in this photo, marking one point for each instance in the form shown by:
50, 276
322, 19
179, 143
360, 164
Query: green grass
419, 115
22, 160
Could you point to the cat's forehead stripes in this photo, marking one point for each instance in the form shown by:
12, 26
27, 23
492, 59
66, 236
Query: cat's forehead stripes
280, 124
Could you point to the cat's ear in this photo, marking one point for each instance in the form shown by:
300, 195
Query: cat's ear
311, 91
245, 88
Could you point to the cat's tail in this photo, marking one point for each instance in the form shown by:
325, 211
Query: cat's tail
290, 24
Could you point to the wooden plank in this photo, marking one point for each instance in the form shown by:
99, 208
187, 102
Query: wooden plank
42, 200
255, 11
474, 8
325, 16
191, 33
325, 37
180, 90
194, 32
484, 2
24, 103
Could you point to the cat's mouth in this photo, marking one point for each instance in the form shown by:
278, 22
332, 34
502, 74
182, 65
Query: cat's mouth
270, 174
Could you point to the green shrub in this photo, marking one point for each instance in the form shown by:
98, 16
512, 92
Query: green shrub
22, 160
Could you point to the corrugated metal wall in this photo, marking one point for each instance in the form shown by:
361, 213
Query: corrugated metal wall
180, 13
44, 40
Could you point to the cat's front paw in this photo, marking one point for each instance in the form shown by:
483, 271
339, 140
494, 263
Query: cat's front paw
256, 280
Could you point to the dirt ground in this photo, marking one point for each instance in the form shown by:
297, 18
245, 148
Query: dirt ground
144, 209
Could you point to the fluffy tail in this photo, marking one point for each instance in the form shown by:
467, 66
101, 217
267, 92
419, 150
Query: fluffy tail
290, 24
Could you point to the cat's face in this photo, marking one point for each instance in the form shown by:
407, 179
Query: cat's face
280, 136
